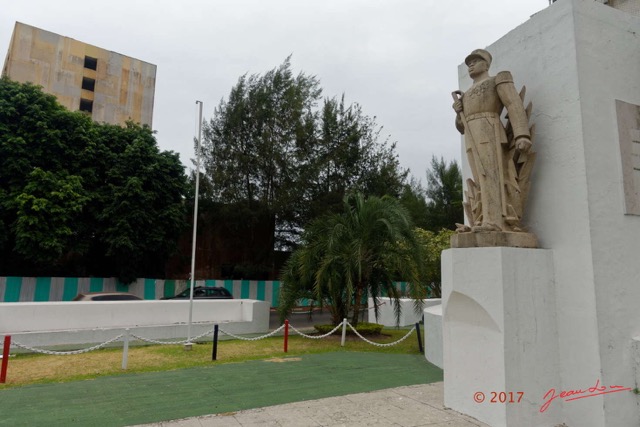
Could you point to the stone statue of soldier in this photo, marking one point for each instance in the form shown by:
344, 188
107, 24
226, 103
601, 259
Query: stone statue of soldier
499, 154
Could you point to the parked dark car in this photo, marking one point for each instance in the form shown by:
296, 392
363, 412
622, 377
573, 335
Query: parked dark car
106, 296
203, 292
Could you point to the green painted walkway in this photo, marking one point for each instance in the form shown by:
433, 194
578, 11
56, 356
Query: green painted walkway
151, 397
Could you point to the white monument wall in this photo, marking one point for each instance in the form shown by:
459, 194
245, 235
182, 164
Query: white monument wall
609, 59
576, 58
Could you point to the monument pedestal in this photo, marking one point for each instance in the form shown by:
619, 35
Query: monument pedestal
500, 344
485, 239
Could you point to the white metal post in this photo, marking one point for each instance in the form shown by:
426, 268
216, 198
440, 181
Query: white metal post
195, 227
125, 349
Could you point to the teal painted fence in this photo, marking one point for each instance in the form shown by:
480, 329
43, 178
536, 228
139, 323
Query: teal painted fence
28, 289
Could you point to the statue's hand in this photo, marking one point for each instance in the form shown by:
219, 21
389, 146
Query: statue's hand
523, 144
457, 106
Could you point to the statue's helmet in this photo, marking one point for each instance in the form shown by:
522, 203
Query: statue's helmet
479, 53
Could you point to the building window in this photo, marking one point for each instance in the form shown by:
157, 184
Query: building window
88, 84
86, 105
90, 63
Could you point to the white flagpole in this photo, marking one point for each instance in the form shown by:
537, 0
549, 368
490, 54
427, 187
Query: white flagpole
195, 227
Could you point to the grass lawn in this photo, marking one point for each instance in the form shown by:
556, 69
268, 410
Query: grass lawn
25, 369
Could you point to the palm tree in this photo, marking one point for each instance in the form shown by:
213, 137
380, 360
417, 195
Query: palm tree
444, 195
363, 250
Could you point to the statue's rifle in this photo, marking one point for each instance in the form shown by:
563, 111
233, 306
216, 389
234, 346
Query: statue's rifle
457, 96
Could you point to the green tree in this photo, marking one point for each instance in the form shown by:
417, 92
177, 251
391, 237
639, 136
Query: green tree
364, 249
270, 147
444, 195
78, 197
433, 243
42, 192
47, 210
413, 198
254, 142
349, 156
140, 211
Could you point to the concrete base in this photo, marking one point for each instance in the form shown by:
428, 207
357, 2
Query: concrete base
499, 334
483, 239
433, 335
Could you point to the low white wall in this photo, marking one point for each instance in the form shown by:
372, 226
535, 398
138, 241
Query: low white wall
433, 335
59, 323
408, 315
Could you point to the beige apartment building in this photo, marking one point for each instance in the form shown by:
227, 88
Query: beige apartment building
111, 87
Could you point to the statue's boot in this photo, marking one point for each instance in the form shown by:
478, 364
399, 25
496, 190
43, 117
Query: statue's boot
487, 226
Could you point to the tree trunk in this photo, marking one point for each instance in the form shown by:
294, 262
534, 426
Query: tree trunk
356, 305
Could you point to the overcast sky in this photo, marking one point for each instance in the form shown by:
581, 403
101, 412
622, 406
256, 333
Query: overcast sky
397, 58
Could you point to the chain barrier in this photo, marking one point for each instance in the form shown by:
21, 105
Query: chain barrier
254, 338
315, 337
152, 341
377, 305
306, 313
149, 340
66, 353
378, 344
